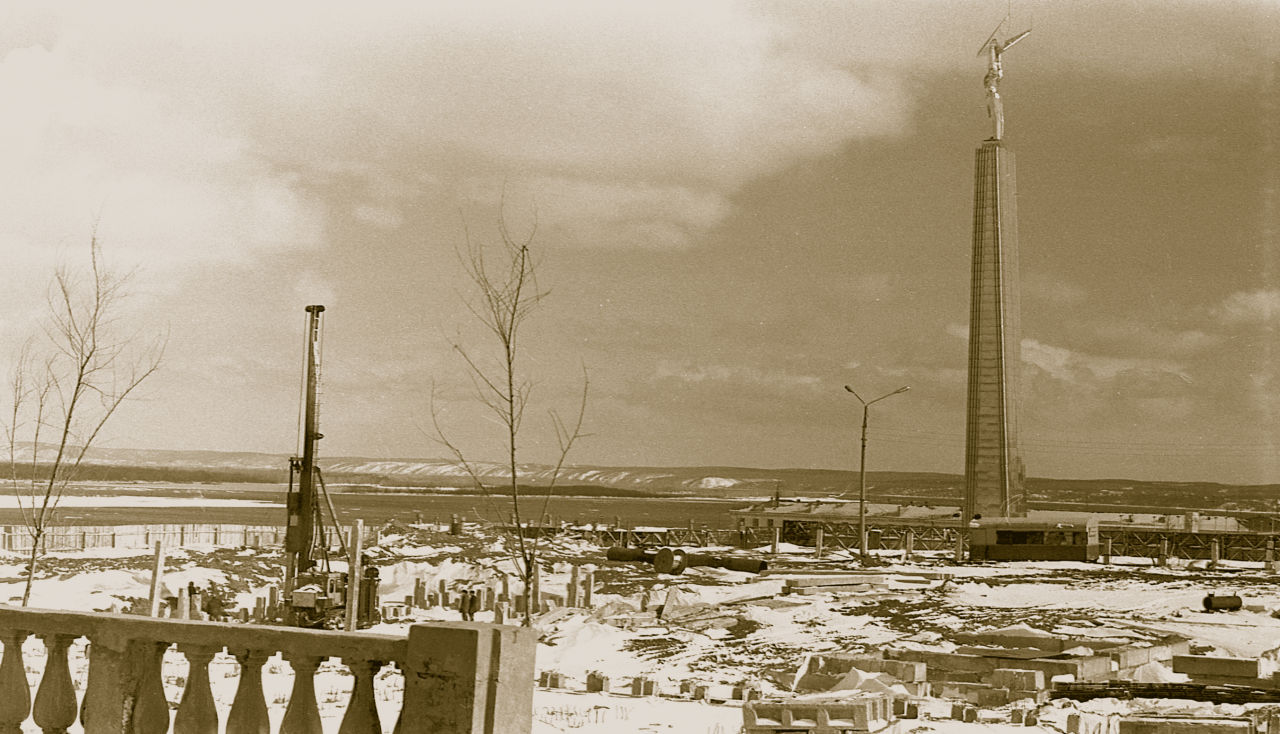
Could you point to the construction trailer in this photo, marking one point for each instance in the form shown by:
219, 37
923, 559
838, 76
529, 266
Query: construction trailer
1026, 539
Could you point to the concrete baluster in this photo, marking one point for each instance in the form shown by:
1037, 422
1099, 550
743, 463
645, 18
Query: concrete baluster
249, 708
197, 713
302, 716
55, 706
362, 709
151, 708
116, 667
15, 692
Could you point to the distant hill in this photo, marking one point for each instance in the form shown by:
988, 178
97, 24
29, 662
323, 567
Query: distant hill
707, 481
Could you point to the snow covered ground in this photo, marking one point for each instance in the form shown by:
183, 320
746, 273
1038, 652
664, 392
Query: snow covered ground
718, 628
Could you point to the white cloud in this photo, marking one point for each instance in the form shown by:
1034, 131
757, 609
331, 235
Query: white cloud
675, 105
164, 188
1251, 307
1072, 366
686, 372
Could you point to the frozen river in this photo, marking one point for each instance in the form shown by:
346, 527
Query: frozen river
129, 504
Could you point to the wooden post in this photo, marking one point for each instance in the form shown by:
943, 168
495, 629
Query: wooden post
571, 593
1106, 551
1215, 552
818, 540
157, 573
588, 584
533, 590
1163, 558
777, 538
959, 547
908, 544
354, 574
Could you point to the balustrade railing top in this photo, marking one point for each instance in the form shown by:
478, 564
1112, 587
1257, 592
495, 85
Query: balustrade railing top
460, 677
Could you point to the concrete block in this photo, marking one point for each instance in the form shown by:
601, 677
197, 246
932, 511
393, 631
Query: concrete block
1209, 666
976, 693
1095, 668
1130, 656
1015, 679
1040, 696
970, 714
989, 697
641, 686
907, 671
597, 682
1185, 725
468, 677
919, 689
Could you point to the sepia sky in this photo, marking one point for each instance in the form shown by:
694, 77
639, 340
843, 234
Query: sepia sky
740, 207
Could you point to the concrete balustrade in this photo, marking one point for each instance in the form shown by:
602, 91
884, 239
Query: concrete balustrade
460, 677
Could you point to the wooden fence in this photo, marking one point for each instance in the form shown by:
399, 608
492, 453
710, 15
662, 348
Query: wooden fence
17, 538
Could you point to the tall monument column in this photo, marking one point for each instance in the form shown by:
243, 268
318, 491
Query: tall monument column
993, 470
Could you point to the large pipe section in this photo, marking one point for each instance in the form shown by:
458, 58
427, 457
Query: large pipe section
676, 560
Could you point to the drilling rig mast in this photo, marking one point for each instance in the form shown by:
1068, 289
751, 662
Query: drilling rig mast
314, 594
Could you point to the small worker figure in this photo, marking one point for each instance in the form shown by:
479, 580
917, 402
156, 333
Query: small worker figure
464, 606
473, 605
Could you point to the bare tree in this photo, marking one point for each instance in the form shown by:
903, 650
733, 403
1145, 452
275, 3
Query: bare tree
506, 293
69, 380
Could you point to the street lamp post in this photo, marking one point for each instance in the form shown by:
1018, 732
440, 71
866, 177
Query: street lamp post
862, 467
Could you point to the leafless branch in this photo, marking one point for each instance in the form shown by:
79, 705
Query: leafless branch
70, 384
505, 294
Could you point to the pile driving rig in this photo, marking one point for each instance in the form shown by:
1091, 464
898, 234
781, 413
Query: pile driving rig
314, 594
